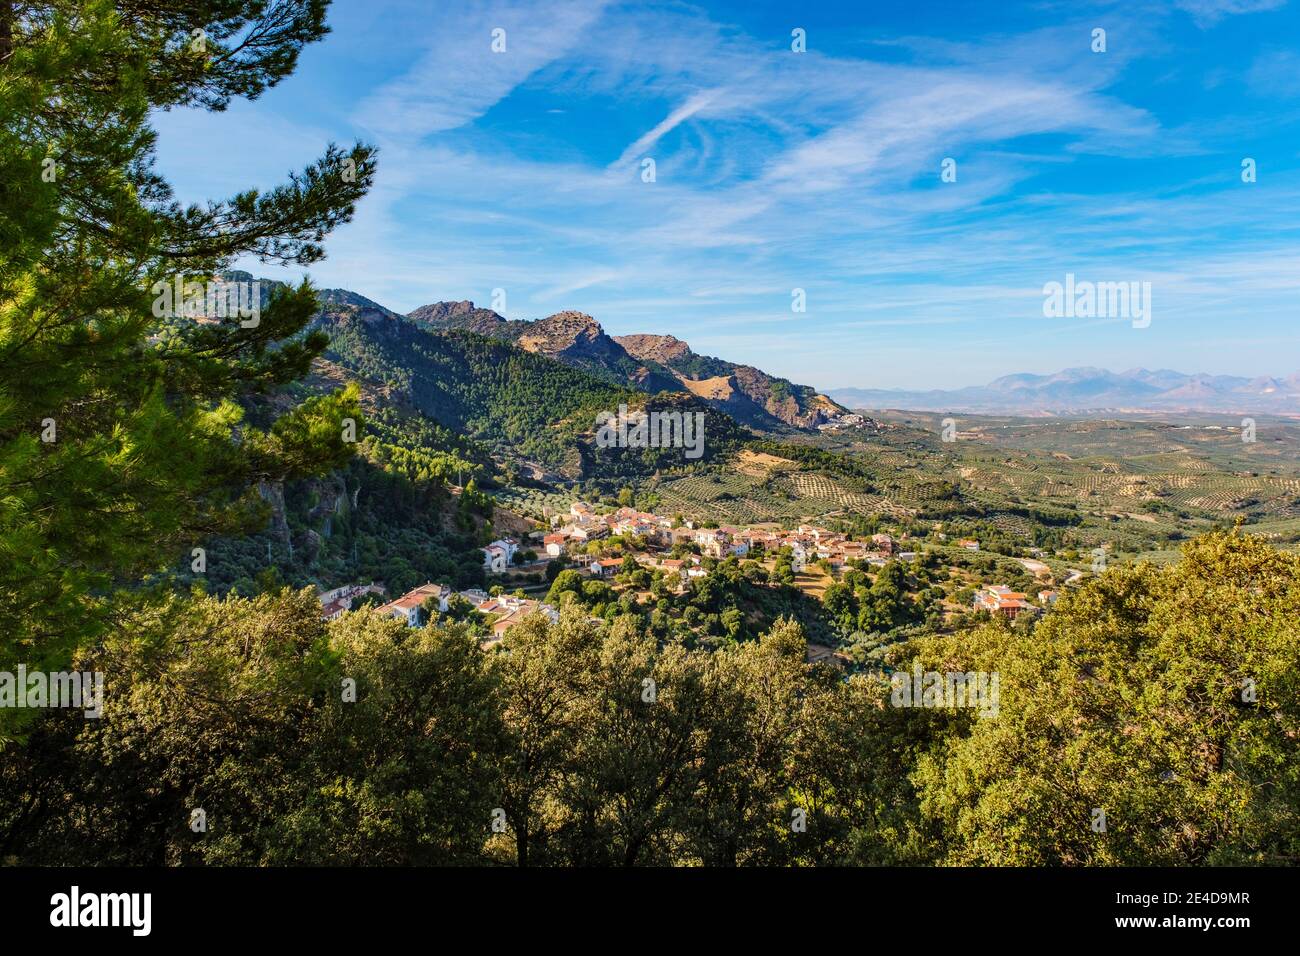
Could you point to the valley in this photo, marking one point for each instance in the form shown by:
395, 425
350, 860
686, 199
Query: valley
525, 396
478, 426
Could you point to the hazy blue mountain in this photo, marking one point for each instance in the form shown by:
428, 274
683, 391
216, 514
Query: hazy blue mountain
1095, 389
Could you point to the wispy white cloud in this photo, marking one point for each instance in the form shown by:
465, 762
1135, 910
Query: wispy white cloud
460, 76
674, 119
1275, 73
1206, 13
821, 171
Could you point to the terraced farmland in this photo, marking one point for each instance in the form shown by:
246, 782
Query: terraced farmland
781, 496
534, 502
732, 497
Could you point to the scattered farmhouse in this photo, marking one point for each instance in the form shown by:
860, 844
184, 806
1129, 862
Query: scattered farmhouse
605, 567
506, 612
999, 599
503, 611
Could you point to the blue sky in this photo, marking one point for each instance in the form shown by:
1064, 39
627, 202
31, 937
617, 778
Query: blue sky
819, 170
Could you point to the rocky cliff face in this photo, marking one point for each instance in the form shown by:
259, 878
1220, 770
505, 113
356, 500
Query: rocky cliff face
746, 393
664, 349
345, 300
322, 498
574, 338
568, 333
577, 339
272, 492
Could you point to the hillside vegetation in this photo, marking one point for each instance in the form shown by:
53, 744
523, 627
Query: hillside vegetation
1167, 698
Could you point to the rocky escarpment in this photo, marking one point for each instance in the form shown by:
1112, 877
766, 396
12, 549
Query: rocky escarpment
574, 338
577, 339
463, 315
316, 502
664, 349
568, 333
342, 299
746, 393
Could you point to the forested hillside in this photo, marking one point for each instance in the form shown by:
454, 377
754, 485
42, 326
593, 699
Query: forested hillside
521, 404
487, 389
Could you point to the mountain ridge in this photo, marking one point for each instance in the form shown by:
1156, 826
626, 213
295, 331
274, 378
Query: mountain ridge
648, 362
743, 391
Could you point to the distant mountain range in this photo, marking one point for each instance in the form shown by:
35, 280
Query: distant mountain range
1081, 390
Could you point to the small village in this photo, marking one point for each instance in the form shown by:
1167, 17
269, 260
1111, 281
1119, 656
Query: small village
680, 550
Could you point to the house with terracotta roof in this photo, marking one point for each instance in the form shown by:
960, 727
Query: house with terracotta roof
505, 612
737, 544
999, 599
586, 530
336, 601
682, 535
642, 527
606, 567
407, 607
332, 610
714, 542
554, 543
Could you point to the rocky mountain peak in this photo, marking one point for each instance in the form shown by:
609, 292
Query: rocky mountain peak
458, 315
654, 348
561, 331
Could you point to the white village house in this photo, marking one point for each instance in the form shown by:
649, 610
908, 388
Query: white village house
498, 555
335, 602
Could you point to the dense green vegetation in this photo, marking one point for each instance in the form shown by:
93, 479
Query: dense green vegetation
487, 389
372, 521
520, 403
734, 601
1168, 698
876, 607
124, 438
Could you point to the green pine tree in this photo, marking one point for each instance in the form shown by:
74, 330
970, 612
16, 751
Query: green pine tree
128, 437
